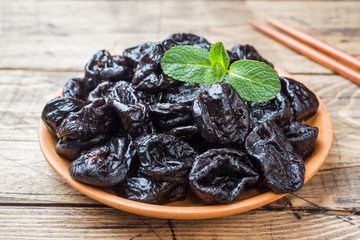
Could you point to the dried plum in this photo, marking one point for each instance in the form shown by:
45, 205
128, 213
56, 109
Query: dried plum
303, 137
105, 165
221, 115
165, 157
95, 120
133, 55
57, 109
303, 102
185, 132
75, 88
132, 112
186, 93
190, 39
282, 167
220, 175
277, 110
148, 76
246, 52
150, 190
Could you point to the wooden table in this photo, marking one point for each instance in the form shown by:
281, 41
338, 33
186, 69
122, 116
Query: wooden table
44, 43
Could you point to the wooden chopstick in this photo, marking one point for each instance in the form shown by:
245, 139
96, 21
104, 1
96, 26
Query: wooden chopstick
342, 56
311, 53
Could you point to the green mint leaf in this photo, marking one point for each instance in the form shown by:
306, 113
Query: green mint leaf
186, 63
218, 54
255, 81
211, 78
217, 69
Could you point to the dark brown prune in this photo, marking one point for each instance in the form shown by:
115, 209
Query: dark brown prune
102, 67
71, 149
221, 115
150, 190
94, 120
104, 89
186, 93
277, 110
105, 165
75, 88
220, 175
149, 98
303, 102
282, 167
185, 132
132, 55
132, 112
148, 76
165, 157
57, 109
303, 137
247, 52
190, 39
165, 116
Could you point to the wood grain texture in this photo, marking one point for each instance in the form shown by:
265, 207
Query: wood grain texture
44, 43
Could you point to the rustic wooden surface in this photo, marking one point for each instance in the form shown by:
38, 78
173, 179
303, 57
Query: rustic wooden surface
44, 43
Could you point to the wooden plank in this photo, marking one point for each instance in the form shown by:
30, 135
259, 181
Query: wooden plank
62, 35
30, 180
106, 223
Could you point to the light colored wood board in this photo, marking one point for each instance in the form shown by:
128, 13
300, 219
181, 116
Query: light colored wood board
106, 223
64, 34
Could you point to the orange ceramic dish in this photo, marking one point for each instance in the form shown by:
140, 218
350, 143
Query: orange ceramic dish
192, 208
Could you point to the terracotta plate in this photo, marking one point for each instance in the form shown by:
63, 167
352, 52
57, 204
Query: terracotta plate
192, 208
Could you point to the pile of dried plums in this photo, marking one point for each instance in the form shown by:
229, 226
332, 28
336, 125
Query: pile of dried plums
128, 126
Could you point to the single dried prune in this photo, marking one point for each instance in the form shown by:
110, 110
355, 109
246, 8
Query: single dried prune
71, 149
103, 67
150, 190
246, 52
221, 115
220, 175
132, 112
101, 91
185, 132
132, 55
148, 76
303, 102
169, 115
165, 157
186, 93
282, 167
57, 109
75, 88
94, 120
190, 39
105, 165
277, 110
303, 137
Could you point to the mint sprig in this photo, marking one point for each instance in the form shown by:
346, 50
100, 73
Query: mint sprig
254, 81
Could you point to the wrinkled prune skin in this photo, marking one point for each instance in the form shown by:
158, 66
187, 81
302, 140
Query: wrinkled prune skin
57, 109
190, 39
72, 148
246, 52
221, 115
105, 165
150, 190
277, 110
133, 55
102, 67
101, 91
282, 167
303, 102
148, 76
184, 132
165, 116
186, 93
165, 157
95, 120
303, 137
220, 175
132, 112
75, 88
